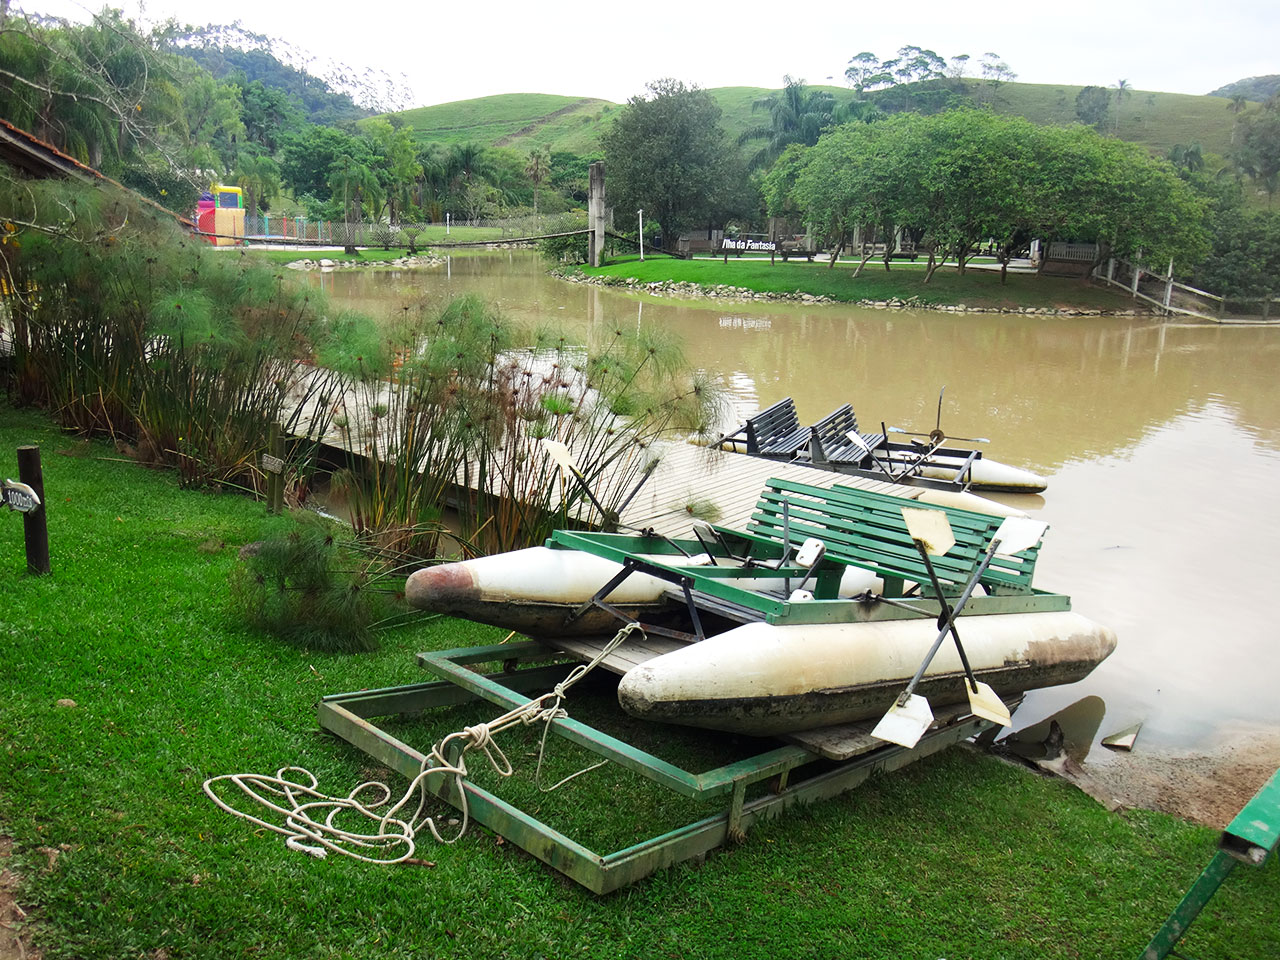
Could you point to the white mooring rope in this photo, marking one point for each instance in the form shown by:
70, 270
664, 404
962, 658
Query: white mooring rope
310, 814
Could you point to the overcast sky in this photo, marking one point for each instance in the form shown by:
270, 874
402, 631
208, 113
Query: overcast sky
459, 50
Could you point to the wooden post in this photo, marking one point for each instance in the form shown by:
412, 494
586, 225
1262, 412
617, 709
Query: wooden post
596, 212
35, 529
273, 466
1168, 288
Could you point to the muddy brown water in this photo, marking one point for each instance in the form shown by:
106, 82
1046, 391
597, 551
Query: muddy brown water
1160, 441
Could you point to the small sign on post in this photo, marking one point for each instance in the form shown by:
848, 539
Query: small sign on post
18, 496
273, 467
26, 496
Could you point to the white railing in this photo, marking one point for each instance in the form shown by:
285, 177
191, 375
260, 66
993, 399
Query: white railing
1173, 298
1075, 252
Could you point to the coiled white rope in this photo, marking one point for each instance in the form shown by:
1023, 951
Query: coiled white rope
306, 814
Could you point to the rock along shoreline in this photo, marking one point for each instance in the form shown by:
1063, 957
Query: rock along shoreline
418, 260
689, 290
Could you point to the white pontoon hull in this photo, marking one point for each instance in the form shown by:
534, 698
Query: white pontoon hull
536, 591
987, 475
762, 679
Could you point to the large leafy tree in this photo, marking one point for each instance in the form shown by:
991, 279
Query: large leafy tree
1245, 258
667, 154
397, 163
1259, 153
309, 154
269, 115
1093, 103
967, 176
99, 91
857, 176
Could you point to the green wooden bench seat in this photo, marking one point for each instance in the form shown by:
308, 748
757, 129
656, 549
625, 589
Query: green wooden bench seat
867, 530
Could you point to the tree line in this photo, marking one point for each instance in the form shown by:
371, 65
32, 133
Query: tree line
951, 181
142, 107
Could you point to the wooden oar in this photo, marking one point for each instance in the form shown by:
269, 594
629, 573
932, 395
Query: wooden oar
910, 716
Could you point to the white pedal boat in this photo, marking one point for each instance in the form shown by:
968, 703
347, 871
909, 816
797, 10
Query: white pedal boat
759, 635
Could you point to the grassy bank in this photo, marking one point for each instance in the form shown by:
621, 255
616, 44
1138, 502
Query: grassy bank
122, 856
976, 288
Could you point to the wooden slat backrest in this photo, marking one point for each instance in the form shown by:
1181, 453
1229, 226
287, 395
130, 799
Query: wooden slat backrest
867, 530
776, 429
830, 437
1011, 574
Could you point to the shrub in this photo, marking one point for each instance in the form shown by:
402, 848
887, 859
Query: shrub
312, 589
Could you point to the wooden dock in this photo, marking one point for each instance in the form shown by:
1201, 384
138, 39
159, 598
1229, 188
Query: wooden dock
690, 482
694, 482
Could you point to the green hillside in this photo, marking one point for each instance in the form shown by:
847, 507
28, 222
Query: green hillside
524, 120
518, 120
1155, 120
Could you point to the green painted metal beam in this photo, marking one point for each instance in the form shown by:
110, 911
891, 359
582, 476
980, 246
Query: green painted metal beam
618, 547
1250, 838
1184, 914
604, 873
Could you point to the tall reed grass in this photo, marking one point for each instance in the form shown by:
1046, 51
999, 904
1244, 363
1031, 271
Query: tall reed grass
449, 408
122, 324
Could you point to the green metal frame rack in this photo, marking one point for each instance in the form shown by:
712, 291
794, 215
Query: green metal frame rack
1250, 838
350, 716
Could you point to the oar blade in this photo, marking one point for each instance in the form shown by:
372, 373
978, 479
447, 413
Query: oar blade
1019, 533
930, 528
558, 452
986, 703
906, 722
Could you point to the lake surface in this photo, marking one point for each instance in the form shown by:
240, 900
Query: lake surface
1161, 442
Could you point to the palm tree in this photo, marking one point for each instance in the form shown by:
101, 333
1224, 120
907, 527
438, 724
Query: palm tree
357, 183
796, 115
538, 170
1236, 105
856, 111
1186, 157
433, 181
259, 178
1123, 92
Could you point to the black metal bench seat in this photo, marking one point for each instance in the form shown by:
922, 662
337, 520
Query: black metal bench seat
829, 440
774, 433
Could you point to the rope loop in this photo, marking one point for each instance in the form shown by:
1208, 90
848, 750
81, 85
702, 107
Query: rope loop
308, 816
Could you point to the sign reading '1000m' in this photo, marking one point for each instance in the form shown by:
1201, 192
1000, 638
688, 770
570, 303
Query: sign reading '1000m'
18, 496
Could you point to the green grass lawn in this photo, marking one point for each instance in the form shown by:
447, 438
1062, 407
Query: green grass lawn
958, 856
904, 280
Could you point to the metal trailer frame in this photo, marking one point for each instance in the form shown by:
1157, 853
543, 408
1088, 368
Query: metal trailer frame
349, 715
1250, 838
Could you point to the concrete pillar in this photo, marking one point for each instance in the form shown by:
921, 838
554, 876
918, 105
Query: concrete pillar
596, 213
